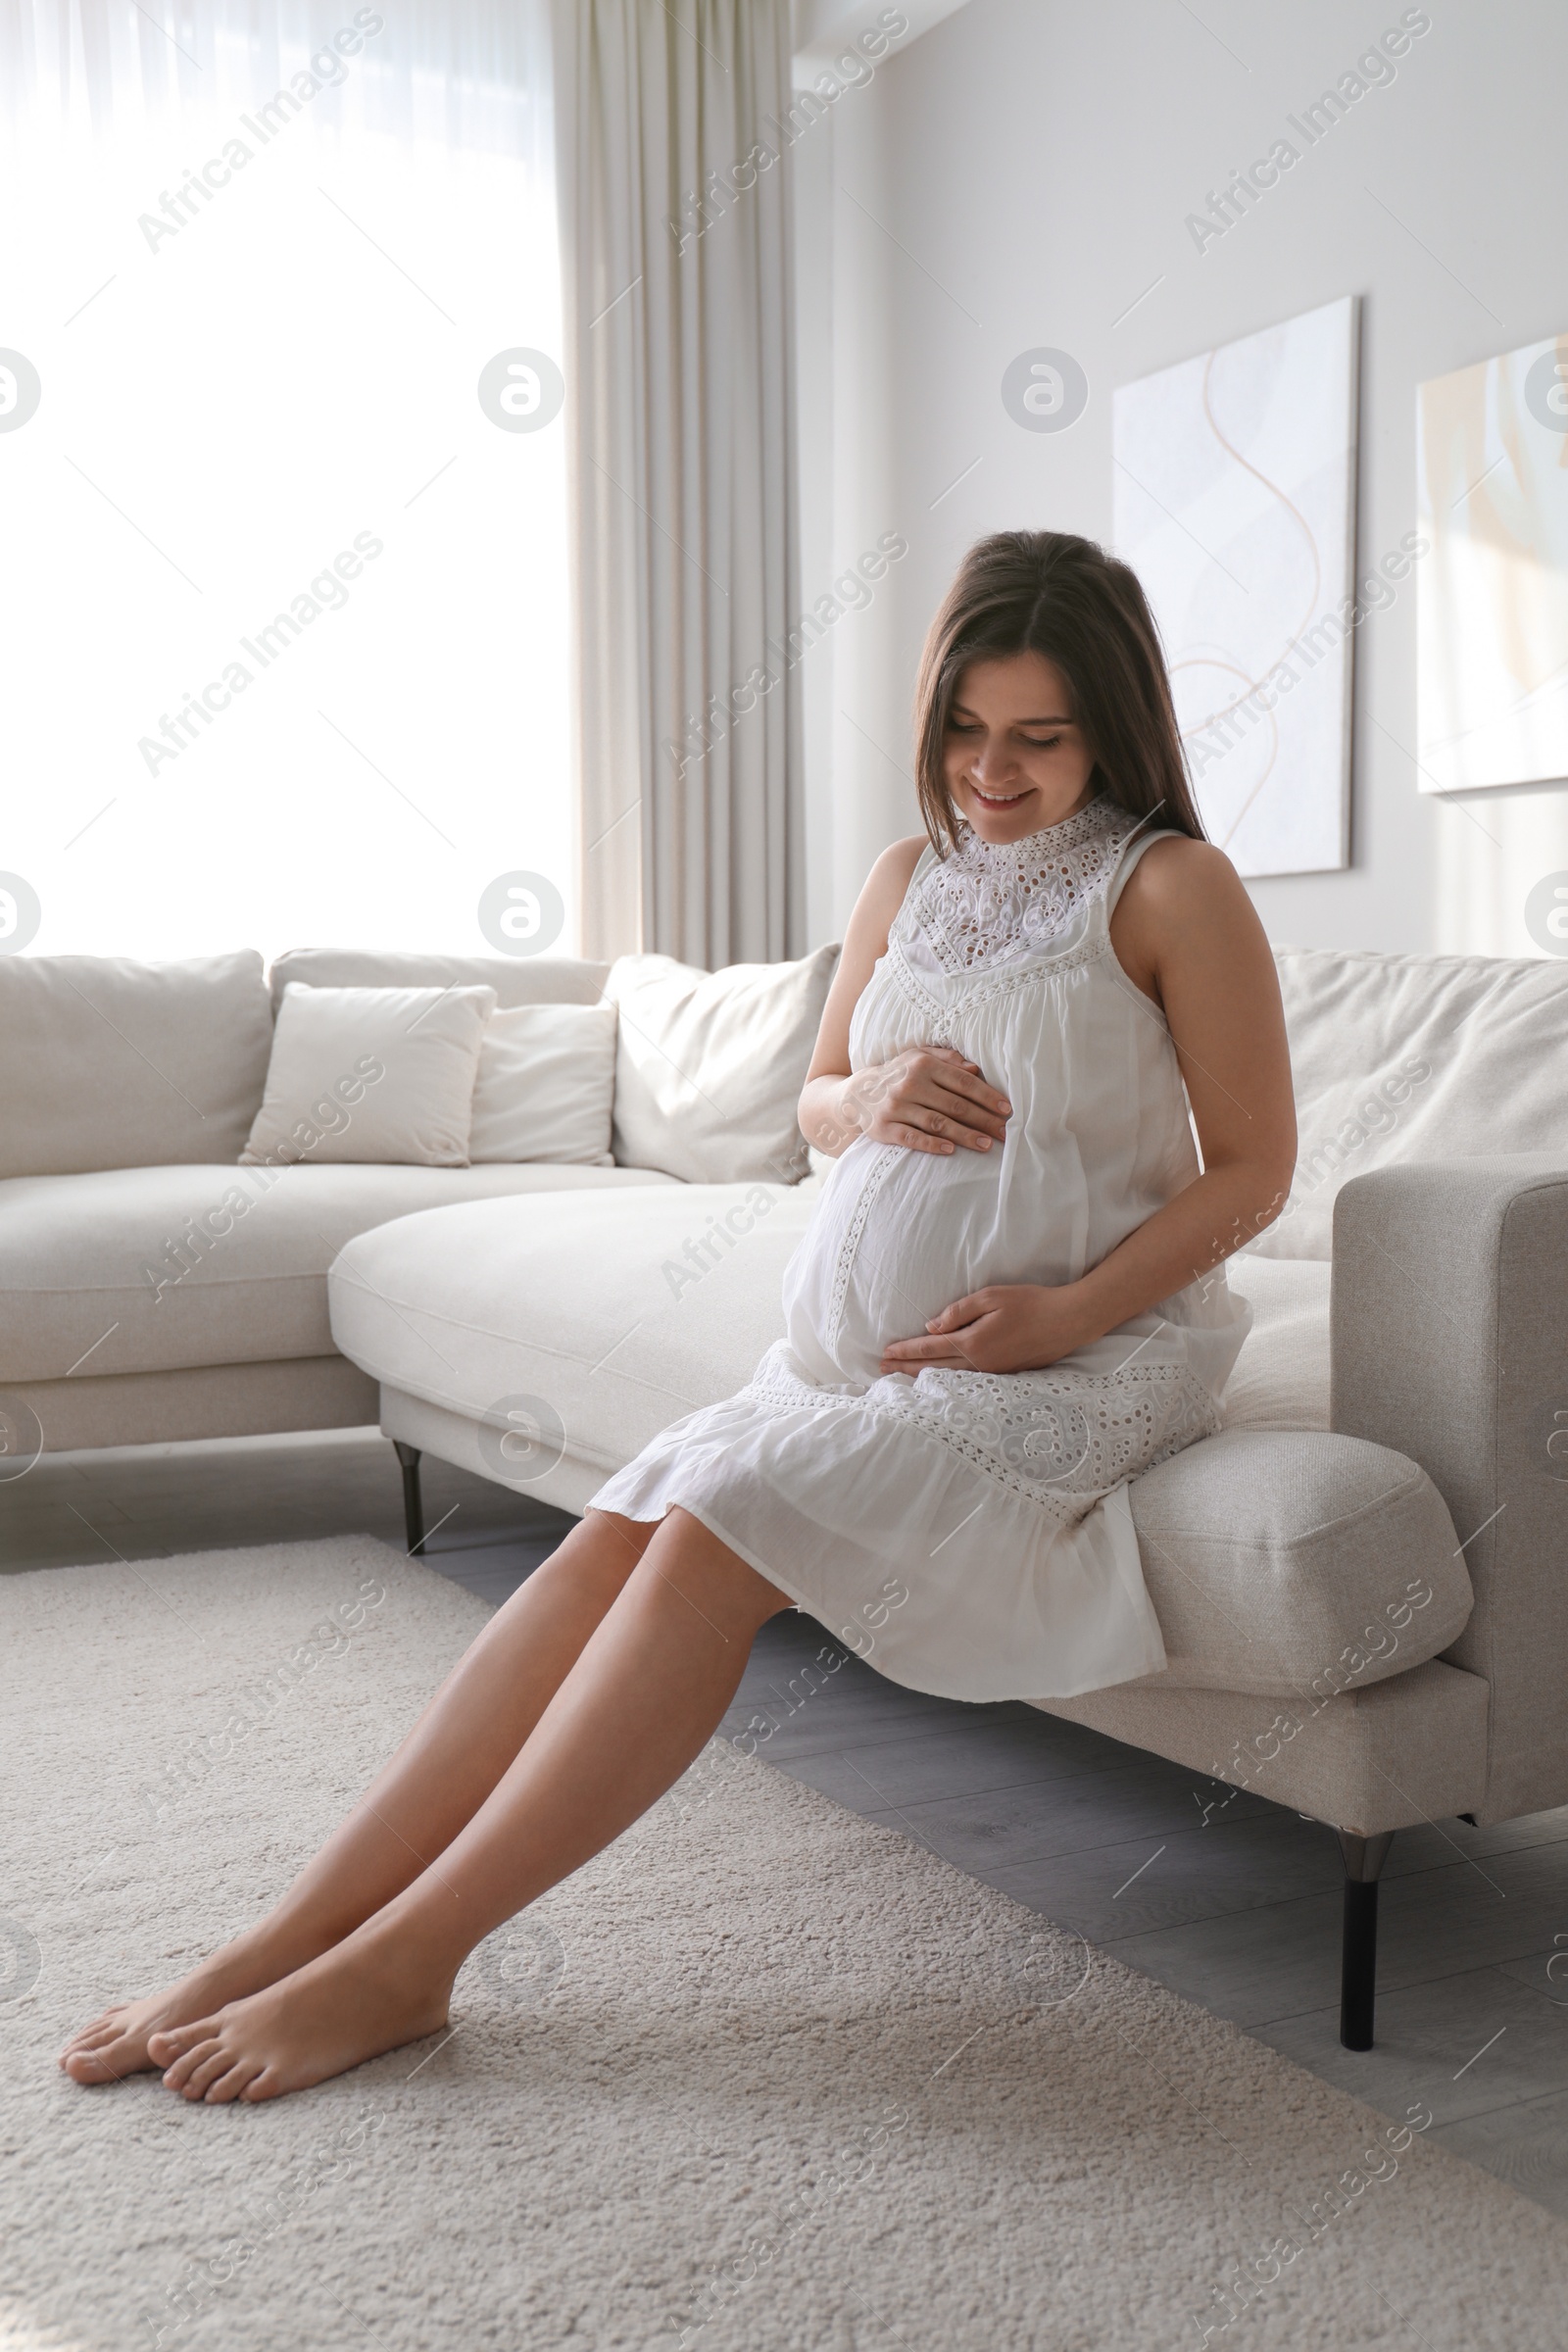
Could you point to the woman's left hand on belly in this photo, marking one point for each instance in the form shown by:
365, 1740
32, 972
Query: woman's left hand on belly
1007, 1327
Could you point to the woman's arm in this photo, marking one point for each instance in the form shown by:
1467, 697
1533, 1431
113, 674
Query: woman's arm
1185, 934
928, 1098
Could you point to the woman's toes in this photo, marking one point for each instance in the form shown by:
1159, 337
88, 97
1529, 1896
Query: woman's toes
93, 2064
233, 2086
109, 2023
164, 2048
183, 2080
205, 2072
92, 2038
195, 2046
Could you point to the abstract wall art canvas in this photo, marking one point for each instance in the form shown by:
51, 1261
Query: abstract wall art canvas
1235, 504
1492, 671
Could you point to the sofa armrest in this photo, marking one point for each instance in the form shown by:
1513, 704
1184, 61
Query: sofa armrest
1450, 1344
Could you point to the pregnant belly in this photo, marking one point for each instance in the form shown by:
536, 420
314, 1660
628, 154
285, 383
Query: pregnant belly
897, 1236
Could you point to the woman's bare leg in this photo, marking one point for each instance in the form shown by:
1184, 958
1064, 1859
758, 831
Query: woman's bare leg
437, 1780
637, 1707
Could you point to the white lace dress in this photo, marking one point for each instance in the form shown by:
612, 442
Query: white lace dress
968, 1532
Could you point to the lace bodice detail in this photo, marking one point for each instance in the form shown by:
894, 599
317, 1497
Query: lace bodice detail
989, 905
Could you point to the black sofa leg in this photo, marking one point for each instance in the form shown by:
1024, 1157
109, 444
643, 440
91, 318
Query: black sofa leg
414, 1502
1364, 1858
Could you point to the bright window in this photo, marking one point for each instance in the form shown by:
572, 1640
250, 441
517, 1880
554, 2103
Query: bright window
283, 606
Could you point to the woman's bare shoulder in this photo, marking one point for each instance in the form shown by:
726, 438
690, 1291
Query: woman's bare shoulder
866, 940
899, 860
885, 886
1179, 882
1185, 907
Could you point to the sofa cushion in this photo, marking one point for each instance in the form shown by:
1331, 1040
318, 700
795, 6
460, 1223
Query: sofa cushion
106, 1063
380, 1075
1296, 1561
1403, 1058
710, 1065
620, 1312
91, 1265
517, 980
1268, 1556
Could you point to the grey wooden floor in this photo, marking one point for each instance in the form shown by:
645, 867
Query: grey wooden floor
1241, 1917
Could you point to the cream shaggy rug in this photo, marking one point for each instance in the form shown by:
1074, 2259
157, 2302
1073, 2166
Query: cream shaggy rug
766, 2075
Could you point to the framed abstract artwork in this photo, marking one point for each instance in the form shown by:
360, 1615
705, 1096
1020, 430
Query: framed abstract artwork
1235, 504
1492, 668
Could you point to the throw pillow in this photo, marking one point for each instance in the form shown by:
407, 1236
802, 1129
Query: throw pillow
710, 1065
545, 1085
380, 1074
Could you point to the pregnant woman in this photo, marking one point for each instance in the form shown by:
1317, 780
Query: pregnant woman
1010, 1300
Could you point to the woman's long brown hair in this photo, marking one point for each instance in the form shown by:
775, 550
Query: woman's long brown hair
1053, 593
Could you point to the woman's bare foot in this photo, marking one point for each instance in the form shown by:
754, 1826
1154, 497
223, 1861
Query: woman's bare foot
363, 1997
115, 2045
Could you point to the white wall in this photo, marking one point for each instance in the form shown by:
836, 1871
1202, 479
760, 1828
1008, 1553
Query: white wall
1019, 175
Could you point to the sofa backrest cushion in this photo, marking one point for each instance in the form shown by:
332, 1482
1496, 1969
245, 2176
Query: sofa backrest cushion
710, 1065
517, 980
106, 1063
1403, 1058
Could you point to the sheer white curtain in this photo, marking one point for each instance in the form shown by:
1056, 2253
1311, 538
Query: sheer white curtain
674, 123
283, 605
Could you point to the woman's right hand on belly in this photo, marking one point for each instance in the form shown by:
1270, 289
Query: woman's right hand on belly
929, 1098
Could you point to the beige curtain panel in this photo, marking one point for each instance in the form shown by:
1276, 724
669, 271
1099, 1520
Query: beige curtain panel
673, 140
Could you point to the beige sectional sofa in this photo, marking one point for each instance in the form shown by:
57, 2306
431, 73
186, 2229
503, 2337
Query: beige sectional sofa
153, 1289
1361, 1579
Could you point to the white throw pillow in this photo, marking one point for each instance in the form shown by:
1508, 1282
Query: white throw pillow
372, 1074
710, 1065
545, 1085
